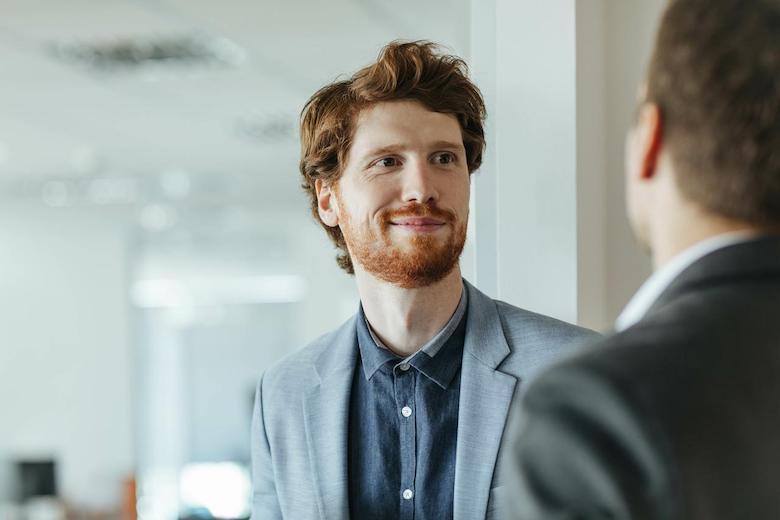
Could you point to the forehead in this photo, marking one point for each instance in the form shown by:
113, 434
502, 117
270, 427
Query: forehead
403, 123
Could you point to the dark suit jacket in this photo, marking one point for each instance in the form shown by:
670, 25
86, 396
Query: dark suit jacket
677, 417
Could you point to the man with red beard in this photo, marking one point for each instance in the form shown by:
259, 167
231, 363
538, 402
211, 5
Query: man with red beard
399, 413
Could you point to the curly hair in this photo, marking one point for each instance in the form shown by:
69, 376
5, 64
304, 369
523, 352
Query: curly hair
403, 71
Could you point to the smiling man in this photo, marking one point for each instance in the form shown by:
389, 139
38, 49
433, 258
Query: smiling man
398, 413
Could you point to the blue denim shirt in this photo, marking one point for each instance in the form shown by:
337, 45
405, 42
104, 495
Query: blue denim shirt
403, 426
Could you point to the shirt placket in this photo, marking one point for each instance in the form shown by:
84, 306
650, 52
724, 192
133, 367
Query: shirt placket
405, 381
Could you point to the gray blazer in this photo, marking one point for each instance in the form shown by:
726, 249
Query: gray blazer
301, 417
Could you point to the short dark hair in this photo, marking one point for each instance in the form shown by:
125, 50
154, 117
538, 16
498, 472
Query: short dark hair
404, 70
715, 75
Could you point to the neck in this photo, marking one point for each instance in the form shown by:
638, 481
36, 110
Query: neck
689, 226
406, 319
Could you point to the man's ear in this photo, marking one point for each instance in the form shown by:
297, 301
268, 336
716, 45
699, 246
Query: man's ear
650, 139
327, 205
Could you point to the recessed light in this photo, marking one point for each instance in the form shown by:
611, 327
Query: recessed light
175, 183
156, 217
194, 49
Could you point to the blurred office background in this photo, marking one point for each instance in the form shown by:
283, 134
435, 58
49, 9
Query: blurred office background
156, 251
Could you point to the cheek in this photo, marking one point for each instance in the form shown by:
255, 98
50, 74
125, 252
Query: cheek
364, 208
462, 195
631, 156
630, 171
635, 199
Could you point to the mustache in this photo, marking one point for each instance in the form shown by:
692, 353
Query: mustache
419, 210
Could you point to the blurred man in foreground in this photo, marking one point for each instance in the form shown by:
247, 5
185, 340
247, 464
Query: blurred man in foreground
677, 416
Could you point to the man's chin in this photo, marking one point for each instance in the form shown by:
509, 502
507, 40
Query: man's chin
416, 249
405, 235
413, 242
415, 277
409, 260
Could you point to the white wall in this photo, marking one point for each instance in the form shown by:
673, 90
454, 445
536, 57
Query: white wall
631, 26
65, 361
532, 170
480, 263
591, 164
559, 78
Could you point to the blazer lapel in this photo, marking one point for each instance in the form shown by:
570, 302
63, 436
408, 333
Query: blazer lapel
485, 396
326, 419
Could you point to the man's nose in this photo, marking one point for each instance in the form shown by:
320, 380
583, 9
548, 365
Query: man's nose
419, 184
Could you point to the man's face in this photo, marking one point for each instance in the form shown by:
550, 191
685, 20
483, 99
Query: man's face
402, 200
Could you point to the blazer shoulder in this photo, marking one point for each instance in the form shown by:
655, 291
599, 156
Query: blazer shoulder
536, 340
642, 352
293, 371
527, 325
647, 366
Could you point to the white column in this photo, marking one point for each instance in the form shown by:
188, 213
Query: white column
483, 222
591, 164
538, 231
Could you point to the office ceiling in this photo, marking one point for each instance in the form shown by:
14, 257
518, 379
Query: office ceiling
171, 124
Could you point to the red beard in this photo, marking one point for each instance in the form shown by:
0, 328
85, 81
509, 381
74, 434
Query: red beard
428, 259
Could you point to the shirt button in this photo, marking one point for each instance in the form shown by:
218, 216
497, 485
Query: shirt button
406, 412
404, 366
408, 494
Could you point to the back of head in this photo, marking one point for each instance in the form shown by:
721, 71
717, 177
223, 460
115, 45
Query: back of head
715, 75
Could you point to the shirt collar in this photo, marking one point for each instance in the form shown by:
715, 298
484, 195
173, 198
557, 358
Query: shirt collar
442, 368
432, 359
651, 290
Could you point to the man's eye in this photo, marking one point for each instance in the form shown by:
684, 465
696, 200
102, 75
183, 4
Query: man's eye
444, 158
387, 162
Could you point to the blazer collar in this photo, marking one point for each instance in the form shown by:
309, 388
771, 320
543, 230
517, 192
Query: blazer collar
485, 338
485, 397
326, 420
750, 260
341, 353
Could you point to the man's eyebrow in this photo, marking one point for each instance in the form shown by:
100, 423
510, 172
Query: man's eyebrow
382, 150
395, 148
448, 144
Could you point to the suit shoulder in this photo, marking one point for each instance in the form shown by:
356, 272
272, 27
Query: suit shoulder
641, 364
523, 323
581, 410
536, 340
636, 352
299, 366
598, 385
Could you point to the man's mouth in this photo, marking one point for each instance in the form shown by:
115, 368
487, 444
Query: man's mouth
418, 223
